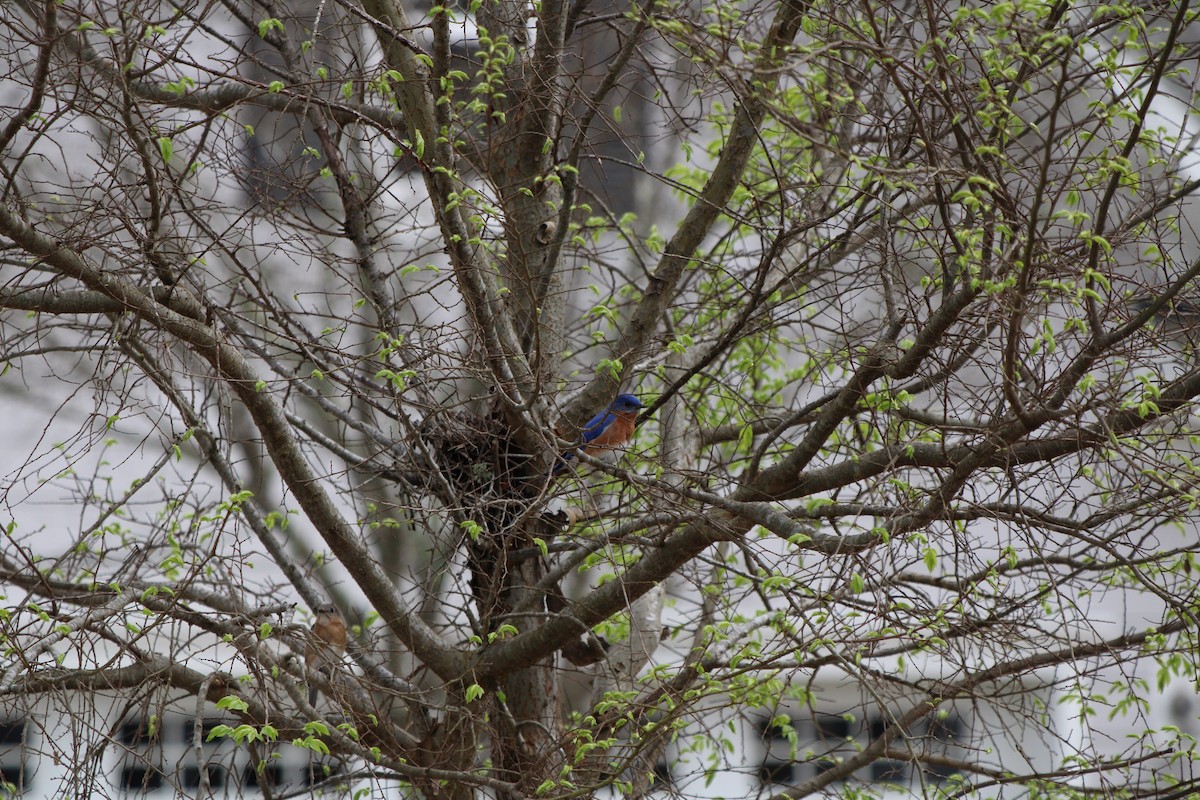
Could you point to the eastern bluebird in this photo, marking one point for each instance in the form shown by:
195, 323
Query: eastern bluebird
326, 644
611, 428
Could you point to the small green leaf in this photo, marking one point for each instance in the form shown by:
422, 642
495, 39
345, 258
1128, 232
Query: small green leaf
268, 25
232, 702
312, 743
472, 529
746, 438
316, 728
219, 732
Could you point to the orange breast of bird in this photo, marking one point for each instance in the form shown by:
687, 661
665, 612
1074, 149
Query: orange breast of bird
618, 432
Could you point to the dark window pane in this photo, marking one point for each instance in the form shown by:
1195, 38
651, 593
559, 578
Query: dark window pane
191, 776
187, 730
14, 775
939, 772
877, 727
948, 729
832, 729
12, 734
140, 777
134, 732
272, 775
782, 772
944, 734
888, 770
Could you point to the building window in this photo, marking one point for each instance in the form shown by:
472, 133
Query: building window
798, 749
781, 772
188, 730
13, 747
834, 742
946, 736
196, 769
165, 757
140, 778
137, 772
134, 733
190, 777
270, 776
779, 761
886, 770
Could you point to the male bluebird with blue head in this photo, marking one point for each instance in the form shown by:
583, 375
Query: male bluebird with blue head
612, 427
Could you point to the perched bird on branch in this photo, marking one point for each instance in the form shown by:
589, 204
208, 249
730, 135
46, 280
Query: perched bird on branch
612, 427
326, 644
